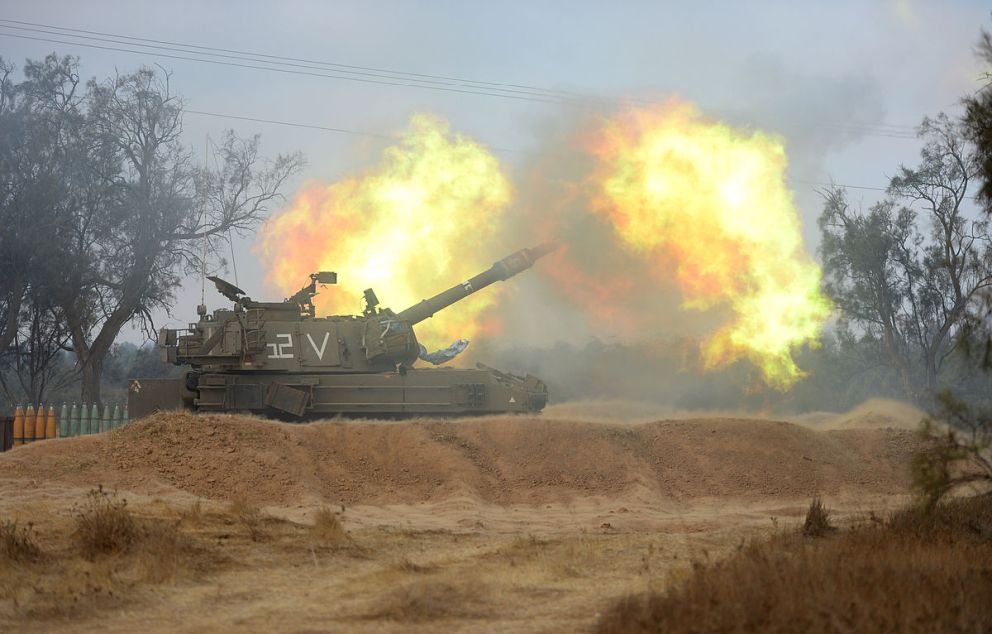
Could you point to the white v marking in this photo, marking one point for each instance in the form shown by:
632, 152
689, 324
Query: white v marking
323, 346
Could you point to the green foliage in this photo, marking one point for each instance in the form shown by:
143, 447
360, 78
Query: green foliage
957, 451
125, 361
906, 273
978, 122
97, 173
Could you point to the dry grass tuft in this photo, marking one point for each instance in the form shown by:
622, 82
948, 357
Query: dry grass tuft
17, 543
193, 514
817, 522
163, 554
156, 551
327, 527
104, 525
105, 554
427, 600
252, 518
917, 572
523, 549
405, 565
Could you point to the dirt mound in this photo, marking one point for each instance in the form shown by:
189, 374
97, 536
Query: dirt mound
610, 411
494, 460
874, 413
881, 412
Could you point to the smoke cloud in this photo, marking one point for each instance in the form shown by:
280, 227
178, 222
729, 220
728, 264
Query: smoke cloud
712, 275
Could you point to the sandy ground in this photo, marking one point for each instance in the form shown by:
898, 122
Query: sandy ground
498, 524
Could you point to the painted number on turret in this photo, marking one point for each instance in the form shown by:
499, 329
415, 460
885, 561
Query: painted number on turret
283, 348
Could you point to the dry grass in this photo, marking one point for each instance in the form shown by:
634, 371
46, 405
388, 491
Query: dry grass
430, 599
383, 579
252, 518
817, 523
163, 554
409, 567
917, 572
966, 520
155, 550
193, 514
93, 560
104, 525
17, 544
327, 528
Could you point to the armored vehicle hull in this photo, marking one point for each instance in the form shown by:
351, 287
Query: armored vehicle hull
416, 392
279, 359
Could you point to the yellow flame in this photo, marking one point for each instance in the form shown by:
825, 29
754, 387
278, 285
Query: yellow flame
420, 221
709, 205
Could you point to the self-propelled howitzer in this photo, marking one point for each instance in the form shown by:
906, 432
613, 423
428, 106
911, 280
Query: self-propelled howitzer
279, 359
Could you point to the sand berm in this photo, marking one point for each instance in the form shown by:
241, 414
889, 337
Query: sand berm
496, 460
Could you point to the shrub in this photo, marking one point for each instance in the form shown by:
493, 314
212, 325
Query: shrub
327, 527
251, 517
817, 522
104, 525
17, 543
955, 454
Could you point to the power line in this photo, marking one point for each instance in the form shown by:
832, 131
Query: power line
292, 124
390, 137
66, 31
300, 69
276, 69
366, 74
403, 79
832, 184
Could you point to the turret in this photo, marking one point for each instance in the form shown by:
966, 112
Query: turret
287, 337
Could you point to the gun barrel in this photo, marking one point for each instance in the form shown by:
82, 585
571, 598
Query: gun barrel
502, 270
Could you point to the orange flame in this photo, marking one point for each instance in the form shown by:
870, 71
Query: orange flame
423, 219
679, 204
708, 206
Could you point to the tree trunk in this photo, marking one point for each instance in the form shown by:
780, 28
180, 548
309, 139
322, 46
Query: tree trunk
92, 373
13, 309
899, 362
906, 379
932, 371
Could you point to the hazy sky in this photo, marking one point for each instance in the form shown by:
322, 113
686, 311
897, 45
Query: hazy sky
842, 81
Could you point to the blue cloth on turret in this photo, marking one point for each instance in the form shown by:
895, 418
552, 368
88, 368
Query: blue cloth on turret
444, 354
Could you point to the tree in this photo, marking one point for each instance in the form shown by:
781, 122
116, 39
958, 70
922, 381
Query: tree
104, 208
909, 278
12, 284
151, 211
32, 364
978, 122
865, 279
38, 123
957, 440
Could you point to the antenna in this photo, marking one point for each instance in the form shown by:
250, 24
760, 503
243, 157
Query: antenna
203, 259
234, 261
